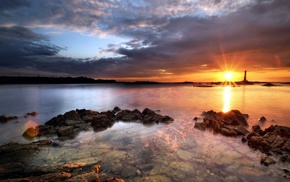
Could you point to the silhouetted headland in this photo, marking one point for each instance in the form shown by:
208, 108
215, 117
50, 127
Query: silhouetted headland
50, 80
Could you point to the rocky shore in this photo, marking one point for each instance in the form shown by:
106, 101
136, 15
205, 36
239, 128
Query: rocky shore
67, 126
271, 141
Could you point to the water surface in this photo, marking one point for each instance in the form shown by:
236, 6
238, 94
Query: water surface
175, 152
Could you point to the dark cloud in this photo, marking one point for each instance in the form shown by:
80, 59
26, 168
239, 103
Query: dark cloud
13, 4
167, 37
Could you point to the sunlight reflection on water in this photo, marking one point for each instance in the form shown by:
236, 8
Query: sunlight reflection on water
227, 99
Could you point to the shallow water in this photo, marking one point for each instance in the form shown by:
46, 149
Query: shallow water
175, 152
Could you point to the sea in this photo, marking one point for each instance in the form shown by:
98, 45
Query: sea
161, 152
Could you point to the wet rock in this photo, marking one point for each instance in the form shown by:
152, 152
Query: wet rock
65, 131
195, 118
273, 139
33, 113
128, 171
269, 85
138, 172
4, 119
116, 110
8, 169
150, 117
72, 115
231, 123
262, 119
256, 128
88, 118
56, 120
244, 140
127, 115
267, 161
284, 158
228, 132
31, 132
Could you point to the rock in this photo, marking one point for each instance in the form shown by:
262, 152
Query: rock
116, 110
126, 115
267, 161
195, 118
31, 132
138, 172
56, 120
256, 128
228, 132
257, 142
4, 119
88, 118
232, 123
65, 131
269, 85
262, 119
33, 113
285, 158
128, 171
201, 126
150, 117
72, 115
244, 140
273, 139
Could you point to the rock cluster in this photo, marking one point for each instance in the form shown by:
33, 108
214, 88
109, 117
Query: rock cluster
4, 119
71, 123
275, 139
232, 123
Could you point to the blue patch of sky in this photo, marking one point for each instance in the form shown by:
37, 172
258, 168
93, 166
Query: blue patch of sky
79, 44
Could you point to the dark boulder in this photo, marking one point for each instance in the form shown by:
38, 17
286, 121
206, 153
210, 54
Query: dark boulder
4, 119
151, 117
262, 119
72, 115
56, 120
65, 131
126, 115
116, 110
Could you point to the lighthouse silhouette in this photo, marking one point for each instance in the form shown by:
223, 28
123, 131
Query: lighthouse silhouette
245, 76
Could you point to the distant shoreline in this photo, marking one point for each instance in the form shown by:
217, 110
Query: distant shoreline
7, 80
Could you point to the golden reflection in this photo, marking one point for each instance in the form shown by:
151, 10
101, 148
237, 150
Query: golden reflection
227, 99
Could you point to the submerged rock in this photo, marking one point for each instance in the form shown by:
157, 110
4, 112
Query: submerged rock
267, 161
262, 119
4, 119
232, 123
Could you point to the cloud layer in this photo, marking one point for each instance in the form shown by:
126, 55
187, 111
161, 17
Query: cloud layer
167, 37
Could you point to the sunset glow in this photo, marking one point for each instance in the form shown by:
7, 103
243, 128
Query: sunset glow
228, 76
136, 41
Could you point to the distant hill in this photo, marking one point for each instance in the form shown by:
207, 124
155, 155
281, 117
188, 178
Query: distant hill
50, 80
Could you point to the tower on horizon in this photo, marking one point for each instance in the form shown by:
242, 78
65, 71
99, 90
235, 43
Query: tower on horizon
245, 76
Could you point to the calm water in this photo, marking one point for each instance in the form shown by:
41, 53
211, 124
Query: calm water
175, 152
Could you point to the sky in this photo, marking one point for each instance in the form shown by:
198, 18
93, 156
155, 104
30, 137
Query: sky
130, 40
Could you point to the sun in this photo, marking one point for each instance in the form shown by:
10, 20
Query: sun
228, 76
